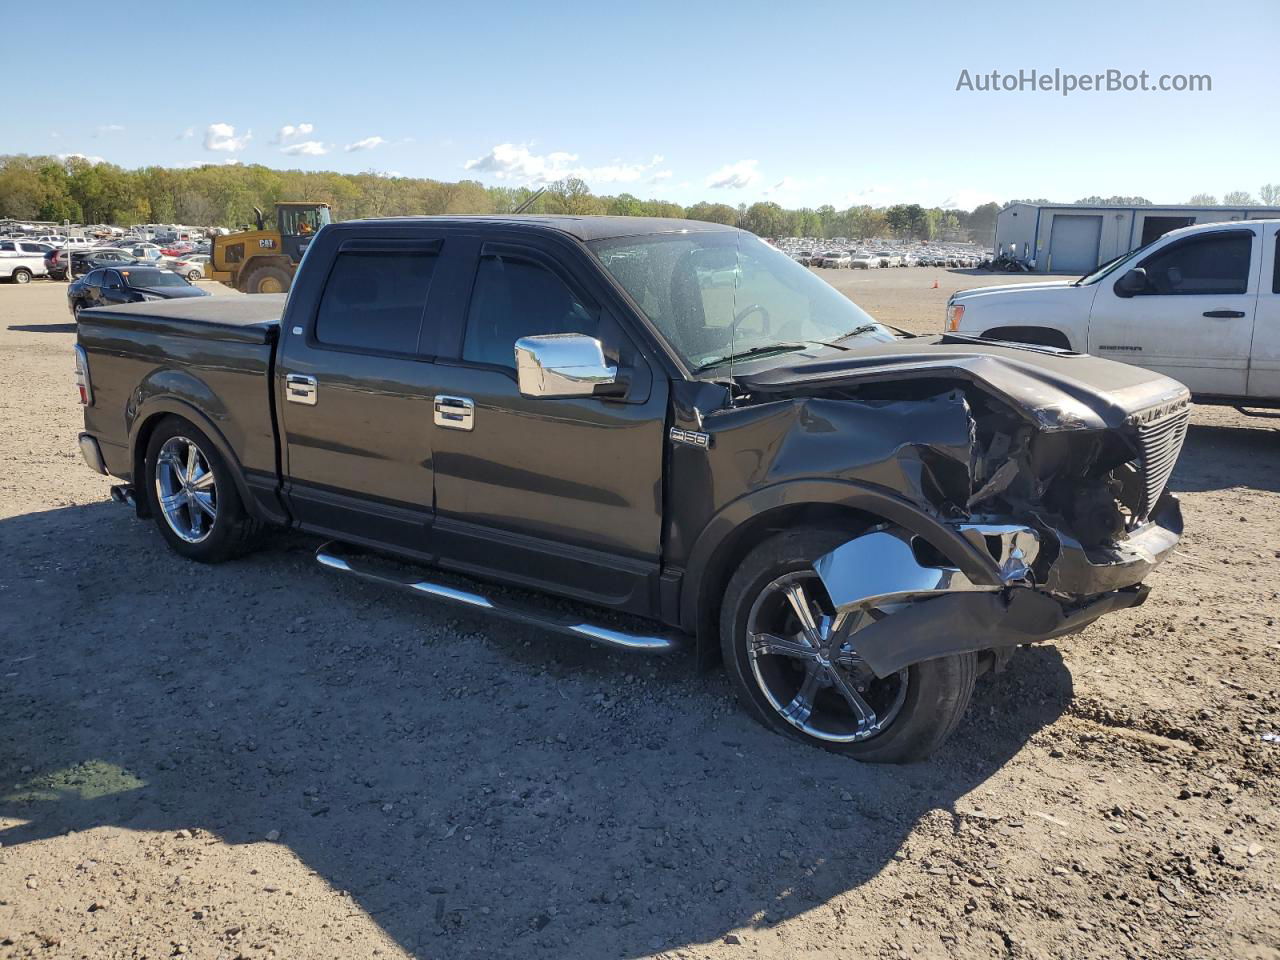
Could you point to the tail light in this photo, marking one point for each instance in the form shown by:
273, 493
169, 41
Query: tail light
82, 376
955, 314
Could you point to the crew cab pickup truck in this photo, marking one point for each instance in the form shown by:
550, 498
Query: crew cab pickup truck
1200, 304
672, 424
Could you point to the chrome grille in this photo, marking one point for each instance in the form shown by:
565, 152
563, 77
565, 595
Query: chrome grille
1159, 443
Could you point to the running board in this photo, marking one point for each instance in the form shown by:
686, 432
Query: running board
336, 556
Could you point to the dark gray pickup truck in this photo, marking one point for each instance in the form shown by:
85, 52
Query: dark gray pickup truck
669, 422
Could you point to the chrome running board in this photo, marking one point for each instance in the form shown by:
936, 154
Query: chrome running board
336, 556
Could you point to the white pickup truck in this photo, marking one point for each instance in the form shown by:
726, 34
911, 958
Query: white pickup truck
1200, 304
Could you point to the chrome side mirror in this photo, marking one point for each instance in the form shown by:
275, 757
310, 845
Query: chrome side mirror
562, 365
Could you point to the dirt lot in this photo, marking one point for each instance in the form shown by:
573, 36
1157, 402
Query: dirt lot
259, 760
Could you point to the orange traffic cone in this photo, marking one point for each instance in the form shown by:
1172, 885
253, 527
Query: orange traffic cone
935, 285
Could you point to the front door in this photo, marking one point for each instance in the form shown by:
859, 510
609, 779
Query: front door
354, 388
1264, 369
1194, 322
559, 494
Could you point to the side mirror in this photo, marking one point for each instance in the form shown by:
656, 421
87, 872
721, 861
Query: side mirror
562, 365
1135, 281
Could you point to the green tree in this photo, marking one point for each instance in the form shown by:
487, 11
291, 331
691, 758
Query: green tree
1203, 200
1238, 198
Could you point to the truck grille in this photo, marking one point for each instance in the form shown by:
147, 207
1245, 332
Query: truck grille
1159, 443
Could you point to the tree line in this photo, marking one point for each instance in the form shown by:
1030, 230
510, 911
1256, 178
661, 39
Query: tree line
80, 191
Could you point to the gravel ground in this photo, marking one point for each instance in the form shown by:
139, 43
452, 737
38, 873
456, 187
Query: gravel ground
260, 759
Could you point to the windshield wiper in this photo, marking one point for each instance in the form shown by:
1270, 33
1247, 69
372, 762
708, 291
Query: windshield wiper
753, 352
858, 331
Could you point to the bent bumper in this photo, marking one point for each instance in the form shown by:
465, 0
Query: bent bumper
1034, 593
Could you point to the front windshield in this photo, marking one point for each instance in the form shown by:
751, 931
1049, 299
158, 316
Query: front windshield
153, 278
1109, 267
717, 294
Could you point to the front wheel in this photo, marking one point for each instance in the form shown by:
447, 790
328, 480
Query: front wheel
796, 669
194, 275
193, 495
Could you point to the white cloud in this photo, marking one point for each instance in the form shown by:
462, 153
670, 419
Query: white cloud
734, 176
967, 199
290, 132
307, 148
368, 143
107, 128
511, 161
222, 137
660, 176
64, 157
187, 134
785, 185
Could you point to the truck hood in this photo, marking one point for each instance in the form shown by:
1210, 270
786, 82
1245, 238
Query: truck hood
1054, 389
1038, 289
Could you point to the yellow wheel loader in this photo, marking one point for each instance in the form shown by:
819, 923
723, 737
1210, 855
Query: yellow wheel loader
264, 260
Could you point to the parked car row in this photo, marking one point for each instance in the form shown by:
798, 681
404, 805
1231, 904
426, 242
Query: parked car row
22, 260
868, 254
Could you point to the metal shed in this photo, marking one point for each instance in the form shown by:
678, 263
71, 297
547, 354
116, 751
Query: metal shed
1073, 239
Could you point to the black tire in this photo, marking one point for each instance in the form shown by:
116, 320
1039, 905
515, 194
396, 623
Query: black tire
194, 275
21, 275
937, 691
267, 275
233, 531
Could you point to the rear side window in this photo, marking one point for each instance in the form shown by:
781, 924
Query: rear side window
374, 300
1214, 264
516, 298
1275, 269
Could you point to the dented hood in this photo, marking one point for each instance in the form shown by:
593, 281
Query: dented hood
1055, 389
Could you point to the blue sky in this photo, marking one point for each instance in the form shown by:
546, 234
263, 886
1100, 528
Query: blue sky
802, 103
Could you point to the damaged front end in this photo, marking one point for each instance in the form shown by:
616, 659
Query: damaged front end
1071, 513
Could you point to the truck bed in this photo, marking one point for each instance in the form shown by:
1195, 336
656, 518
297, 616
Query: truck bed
242, 319
208, 359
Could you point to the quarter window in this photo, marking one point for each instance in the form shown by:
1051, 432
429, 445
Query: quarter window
1214, 264
374, 300
1275, 269
515, 298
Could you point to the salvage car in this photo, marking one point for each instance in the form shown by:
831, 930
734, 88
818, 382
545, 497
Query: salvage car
499, 411
128, 284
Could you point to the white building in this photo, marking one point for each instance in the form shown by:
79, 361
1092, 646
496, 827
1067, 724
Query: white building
1073, 239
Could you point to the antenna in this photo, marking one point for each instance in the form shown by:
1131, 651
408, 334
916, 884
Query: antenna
529, 201
733, 316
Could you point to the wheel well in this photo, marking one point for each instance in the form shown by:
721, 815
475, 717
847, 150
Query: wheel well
1038, 335
140, 444
743, 540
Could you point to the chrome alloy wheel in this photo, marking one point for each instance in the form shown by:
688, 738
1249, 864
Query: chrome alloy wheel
806, 665
186, 489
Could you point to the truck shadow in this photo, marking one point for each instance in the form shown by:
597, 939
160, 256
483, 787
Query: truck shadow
43, 327
479, 789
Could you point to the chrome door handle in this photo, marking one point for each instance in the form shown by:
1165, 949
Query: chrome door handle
456, 413
299, 388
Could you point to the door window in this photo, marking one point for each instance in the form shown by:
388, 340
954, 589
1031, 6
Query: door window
515, 298
1213, 264
374, 300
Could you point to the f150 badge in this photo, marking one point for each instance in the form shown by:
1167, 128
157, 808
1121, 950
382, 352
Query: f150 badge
691, 438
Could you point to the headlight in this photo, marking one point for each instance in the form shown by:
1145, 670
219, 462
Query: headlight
955, 314
151, 296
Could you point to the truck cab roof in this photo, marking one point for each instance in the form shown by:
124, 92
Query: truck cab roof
579, 227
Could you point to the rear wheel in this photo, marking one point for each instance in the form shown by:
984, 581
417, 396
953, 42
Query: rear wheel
796, 668
193, 495
21, 275
194, 275
268, 279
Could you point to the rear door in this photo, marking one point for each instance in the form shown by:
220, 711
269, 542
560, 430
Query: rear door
560, 494
354, 386
1264, 369
1195, 321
